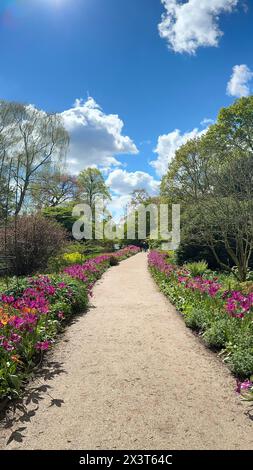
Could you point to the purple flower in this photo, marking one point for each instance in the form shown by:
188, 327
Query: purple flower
62, 285
7, 299
15, 338
17, 322
43, 345
7, 345
246, 385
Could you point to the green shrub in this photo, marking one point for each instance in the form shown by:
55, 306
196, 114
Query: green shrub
198, 319
172, 259
197, 268
216, 336
240, 362
113, 261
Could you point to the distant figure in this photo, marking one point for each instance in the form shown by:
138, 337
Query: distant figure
145, 246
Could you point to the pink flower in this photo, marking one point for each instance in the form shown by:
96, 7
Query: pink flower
7, 299
17, 322
237, 304
62, 285
14, 338
43, 345
7, 345
246, 385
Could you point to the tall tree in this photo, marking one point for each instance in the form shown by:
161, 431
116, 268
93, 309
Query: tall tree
212, 179
54, 188
92, 186
33, 139
139, 196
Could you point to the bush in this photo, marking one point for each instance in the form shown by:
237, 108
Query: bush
62, 215
198, 268
58, 263
36, 240
240, 362
216, 336
113, 261
191, 252
198, 319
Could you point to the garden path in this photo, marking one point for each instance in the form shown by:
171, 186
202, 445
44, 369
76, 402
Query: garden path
130, 375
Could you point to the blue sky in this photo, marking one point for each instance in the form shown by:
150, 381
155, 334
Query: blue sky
54, 52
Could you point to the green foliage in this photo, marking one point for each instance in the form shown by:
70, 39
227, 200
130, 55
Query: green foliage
92, 186
210, 177
76, 253
216, 336
191, 251
240, 362
172, 257
54, 188
62, 215
204, 314
198, 319
198, 268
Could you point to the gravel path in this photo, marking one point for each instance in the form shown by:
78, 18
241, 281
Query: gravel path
129, 375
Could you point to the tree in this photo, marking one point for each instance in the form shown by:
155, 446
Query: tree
141, 219
139, 196
32, 140
212, 179
62, 215
187, 177
53, 189
234, 128
6, 163
92, 186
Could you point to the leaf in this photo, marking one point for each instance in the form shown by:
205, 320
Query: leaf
15, 380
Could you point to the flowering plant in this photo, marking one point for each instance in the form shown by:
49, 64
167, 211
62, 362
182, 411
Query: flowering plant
223, 317
32, 315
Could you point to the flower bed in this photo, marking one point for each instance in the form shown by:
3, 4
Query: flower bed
32, 314
224, 318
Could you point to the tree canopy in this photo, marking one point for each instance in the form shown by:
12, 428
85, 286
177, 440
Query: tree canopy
211, 177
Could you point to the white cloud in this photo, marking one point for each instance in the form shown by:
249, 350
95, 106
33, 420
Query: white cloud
193, 24
118, 205
167, 146
95, 137
238, 84
123, 182
207, 122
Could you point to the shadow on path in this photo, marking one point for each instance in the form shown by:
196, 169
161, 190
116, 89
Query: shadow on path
18, 412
